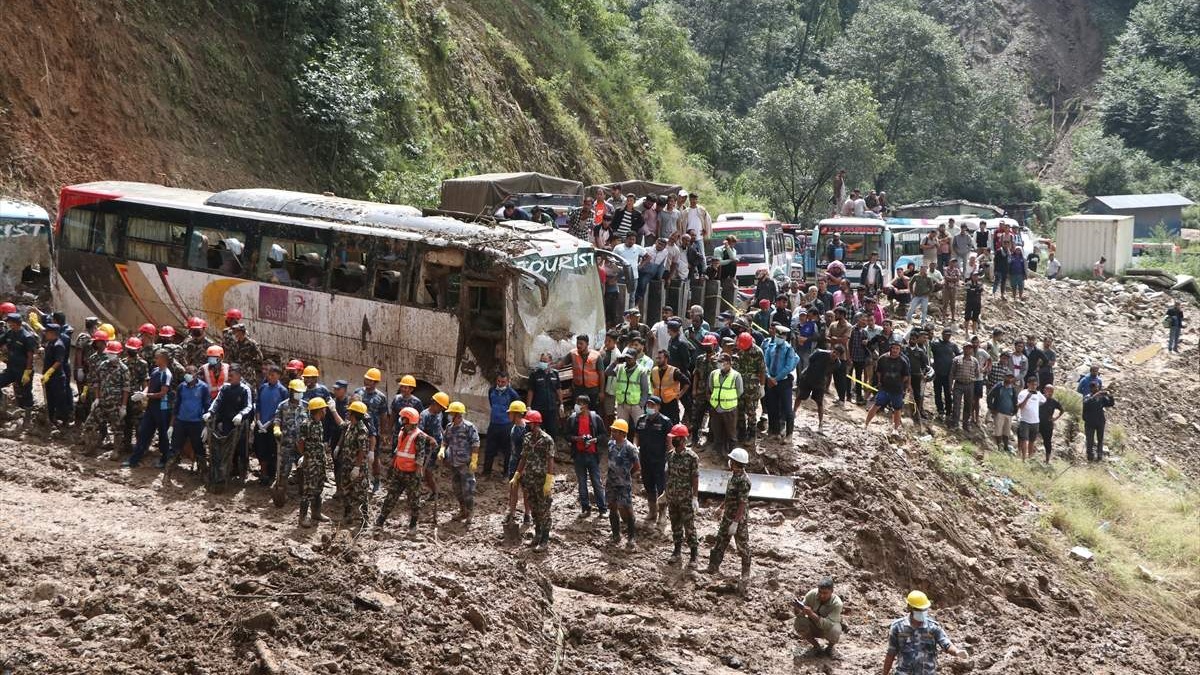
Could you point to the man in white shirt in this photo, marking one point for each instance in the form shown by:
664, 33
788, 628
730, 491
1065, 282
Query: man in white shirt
632, 254
654, 267
860, 205
1028, 401
677, 264
698, 224
1053, 267
848, 205
659, 337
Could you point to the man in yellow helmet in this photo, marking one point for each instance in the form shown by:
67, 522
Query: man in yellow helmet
461, 452
623, 468
312, 448
356, 466
286, 424
404, 398
914, 640
433, 422
379, 425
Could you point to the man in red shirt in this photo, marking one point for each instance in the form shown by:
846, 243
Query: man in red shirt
586, 434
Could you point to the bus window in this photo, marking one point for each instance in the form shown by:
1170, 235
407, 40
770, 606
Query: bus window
391, 260
77, 229
440, 278
107, 233
151, 240
350, 252
292, 262
216, 247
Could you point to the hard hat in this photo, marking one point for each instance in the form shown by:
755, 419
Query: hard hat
358, 407
233, 314
620, 425
99, 336
456, 407
745, 341
297, 385
148, 329
517, 407
196, 322
918, 600
740, 456
166, 331
533, 417
215, 350
107, 329
373, 375
408, 381
295, 364
678, 431
310, 371
318, 403
113, 347
408, 414
709, 340
133, 343
764, 303
7, 308
441, 399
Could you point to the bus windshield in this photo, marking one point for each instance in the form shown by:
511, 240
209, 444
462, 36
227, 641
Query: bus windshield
857, 243
573, 304
751, 245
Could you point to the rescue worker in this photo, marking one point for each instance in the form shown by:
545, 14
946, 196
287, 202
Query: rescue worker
378, 423
270, 394
157, 417
87, 390
706, 363
21, 345
587, 377
734, 514
233, 317
148, 335
195, 347
139, 373
682, 494
335, 419
585, 433
287, 421
56, 379
536, 475
111, 388
109, 332
410, 457
631, 387
623, 467
312, 449
433, 421
725, 385
750, 362
82, 344
819, 616
191, 402
246, 354
651, 439
404, 398
166, 340
669, 384
215, 372
293, 370
499, 441
914, 639
356, 463
545, 394
516, 434
229, 409
461, 453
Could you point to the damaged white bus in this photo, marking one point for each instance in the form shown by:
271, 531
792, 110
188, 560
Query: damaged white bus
344, 284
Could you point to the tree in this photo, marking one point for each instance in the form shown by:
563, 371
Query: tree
802, 136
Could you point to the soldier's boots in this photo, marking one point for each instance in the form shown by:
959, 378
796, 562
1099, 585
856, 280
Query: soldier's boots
676, 554
693, 553
653, 509
467, 518
379, 520
526, 520
714, 561
304, 520
614, 522
744, 582
630, 534
412, 523
316, 511
543, 542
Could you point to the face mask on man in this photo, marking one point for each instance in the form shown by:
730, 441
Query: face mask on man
541, 365
212, 360
297, 395
651, 410
187, 377
111, 357
920, 614
578, 408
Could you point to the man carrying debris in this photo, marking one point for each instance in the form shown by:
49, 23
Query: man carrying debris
683, 490
535, 473
623, 467
819, 616
734, 518
413, 447
914, 640
312, 458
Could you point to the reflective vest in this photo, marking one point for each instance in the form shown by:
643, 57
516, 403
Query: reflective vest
585, 374
406, 451
724, 393
629, 386
665, 386
215, 380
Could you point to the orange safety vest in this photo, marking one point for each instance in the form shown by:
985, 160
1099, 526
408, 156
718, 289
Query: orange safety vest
666, 386
406, 451
585, 374
214, 384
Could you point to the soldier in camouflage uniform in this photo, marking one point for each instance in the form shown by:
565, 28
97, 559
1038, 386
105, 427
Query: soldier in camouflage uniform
413, 449
80, 350
139, 371
624, 466
90, 360
233, 316
313, 456
734, 517
356, 464
683, 484
536, 474
111, 388
247, 354
706, 363
750, 362
195, 347
289, 417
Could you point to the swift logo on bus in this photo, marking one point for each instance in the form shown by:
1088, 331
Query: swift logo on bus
284, 305
548, 266
14, 230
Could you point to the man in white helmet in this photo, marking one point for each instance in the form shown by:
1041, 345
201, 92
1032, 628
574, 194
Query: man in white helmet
734, 521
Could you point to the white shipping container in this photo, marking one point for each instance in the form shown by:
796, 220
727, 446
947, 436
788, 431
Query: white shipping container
1082, 240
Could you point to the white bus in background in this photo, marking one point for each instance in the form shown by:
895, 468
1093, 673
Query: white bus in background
24, 245
761, 244
344, 284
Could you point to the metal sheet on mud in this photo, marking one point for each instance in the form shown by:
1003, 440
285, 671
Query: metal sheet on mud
762, 486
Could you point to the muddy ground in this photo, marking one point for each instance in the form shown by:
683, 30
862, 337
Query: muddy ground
115, 570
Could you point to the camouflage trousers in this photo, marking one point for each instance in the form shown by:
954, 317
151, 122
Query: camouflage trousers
356, 497
741, 538
314, 477
538, 502
683, 522
406, 484
104, 414
748, 417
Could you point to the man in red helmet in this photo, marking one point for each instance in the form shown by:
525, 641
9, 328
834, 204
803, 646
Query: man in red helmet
87, 391
683, 491
233, 317
147, 335
750, 362
706, 363
112, 388
535, 473
195, 346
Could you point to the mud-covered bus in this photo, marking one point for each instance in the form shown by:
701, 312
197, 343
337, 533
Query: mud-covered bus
24, 246
341, 283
